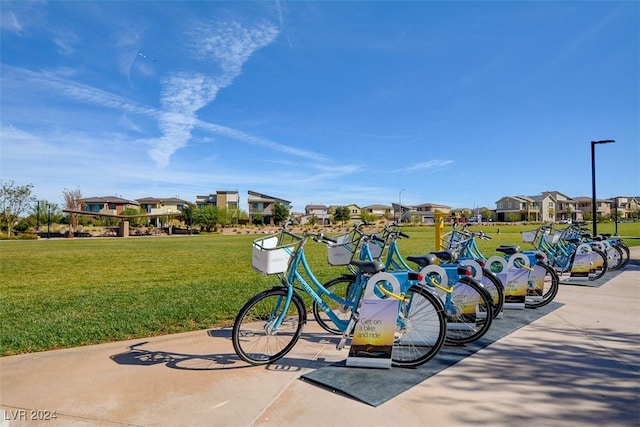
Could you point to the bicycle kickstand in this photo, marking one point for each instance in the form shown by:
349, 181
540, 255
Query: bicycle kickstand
347, 332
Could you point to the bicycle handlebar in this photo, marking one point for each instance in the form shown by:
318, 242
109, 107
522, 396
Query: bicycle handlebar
321, 237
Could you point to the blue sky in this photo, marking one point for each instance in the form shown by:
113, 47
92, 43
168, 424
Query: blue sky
454, 103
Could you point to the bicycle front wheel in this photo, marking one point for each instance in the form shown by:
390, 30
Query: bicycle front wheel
268, 326
542, 287
469, 310
420, 329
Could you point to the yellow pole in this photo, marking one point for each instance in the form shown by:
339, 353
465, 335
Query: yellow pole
440, 216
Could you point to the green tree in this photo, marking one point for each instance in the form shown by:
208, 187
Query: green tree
341, 214
14, 200
187, 214
368, 216
44, 212
280, 213
512, 217
206, 217
135, 219
569, 212
227, 216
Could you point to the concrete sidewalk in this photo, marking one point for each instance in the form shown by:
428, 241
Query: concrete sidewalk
577, 366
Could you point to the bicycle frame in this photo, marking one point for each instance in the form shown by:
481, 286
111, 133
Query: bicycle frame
312, 287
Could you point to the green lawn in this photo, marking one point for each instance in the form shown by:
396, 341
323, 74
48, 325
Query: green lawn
71, 292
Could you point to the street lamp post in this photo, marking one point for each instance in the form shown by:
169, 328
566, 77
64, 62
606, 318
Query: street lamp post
48, 221
593, 182
38, 217
400, 203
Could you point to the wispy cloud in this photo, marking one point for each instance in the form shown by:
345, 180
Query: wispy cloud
9, 21
176, 119
259, 141
431, 165
229, 45
65, 41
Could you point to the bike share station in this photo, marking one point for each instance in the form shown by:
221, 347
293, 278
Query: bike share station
586, 266
388, 354
367, 374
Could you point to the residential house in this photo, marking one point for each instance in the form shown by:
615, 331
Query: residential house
584, 205
223, 199
379, 211
319, 212
550, 206
628, 207
521, 208
161, 206
261, 207
110, 205
425, 211
564, 206
355, 211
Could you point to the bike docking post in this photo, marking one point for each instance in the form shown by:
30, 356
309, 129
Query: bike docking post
583, 265
372, 341
439, 217
516, 280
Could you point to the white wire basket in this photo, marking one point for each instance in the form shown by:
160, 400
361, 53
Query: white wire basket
528, 236
375, 248
271, 255
341, 252
554, 238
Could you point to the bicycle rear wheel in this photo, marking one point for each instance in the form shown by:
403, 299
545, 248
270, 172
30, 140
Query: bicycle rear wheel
625, 252
544, 289
602, 269
615, 257
257, 337
420, 329
469, 311
342, 287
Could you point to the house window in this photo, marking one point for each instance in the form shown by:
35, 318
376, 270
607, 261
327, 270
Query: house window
508, 205
499, 205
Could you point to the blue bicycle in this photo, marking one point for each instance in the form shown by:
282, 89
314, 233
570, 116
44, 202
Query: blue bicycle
542, 281
468, 306
270, 323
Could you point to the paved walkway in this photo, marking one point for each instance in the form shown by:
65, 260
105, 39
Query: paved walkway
577, 366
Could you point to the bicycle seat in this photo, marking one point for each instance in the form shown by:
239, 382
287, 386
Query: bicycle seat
423, 260
443, 255
508, 250
369, 267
